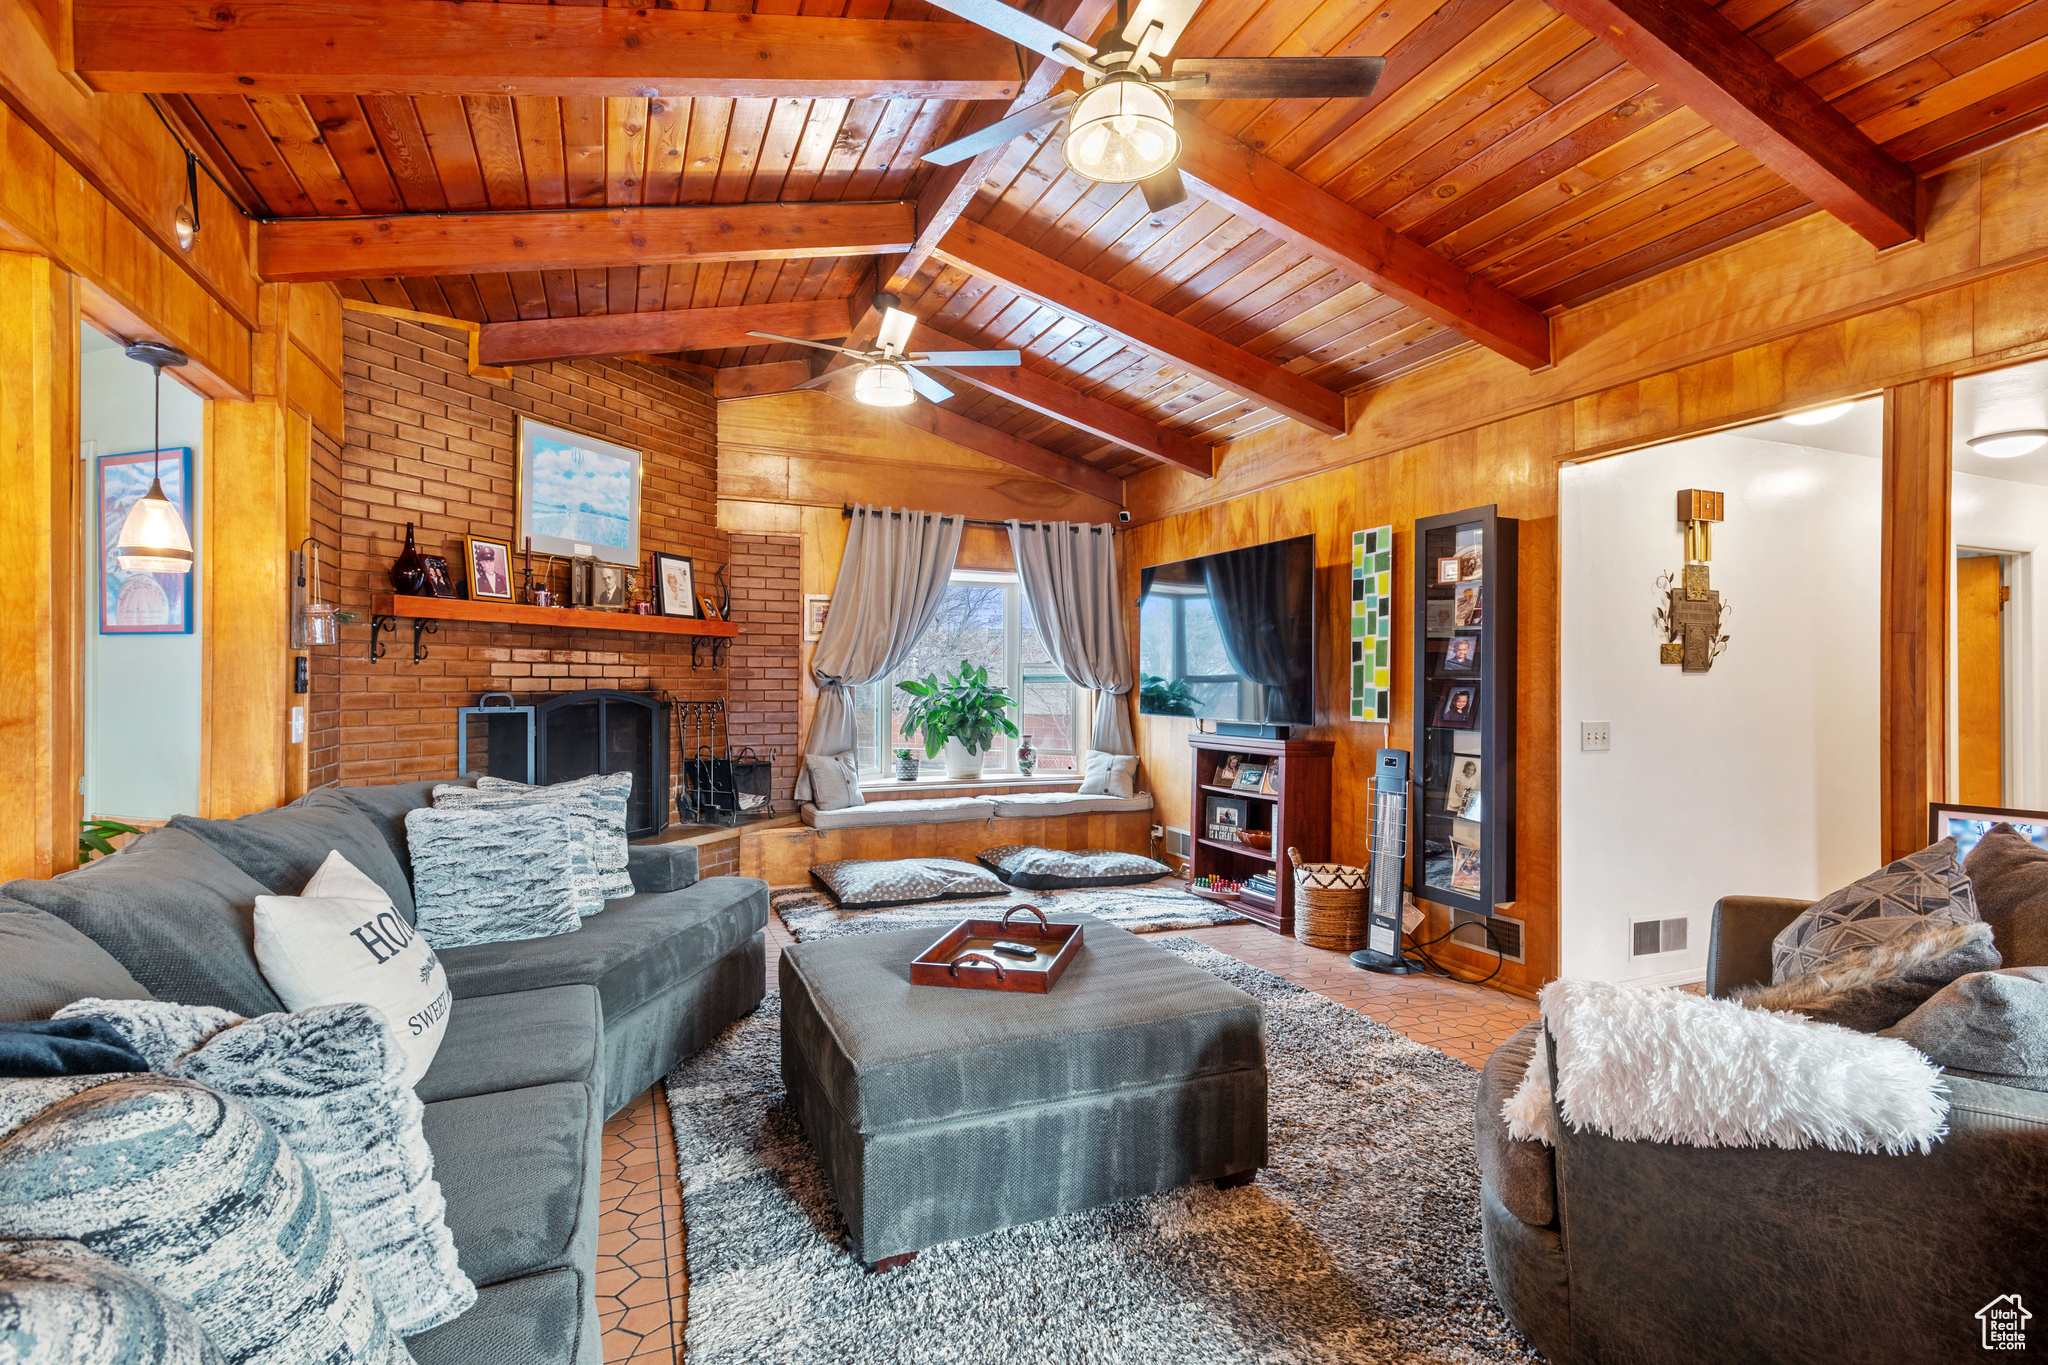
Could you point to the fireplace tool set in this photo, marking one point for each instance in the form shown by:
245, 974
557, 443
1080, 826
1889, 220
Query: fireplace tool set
721, 785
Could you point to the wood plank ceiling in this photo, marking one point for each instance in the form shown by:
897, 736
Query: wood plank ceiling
1503, 137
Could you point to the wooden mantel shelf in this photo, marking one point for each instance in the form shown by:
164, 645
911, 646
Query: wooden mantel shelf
520, 614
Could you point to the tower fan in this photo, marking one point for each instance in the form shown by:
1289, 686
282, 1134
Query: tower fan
1383, 951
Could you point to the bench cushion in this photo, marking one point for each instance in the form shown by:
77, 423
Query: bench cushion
937, 810
1034, 805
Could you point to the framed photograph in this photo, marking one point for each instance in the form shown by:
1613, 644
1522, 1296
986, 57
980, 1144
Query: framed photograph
1465, 869
1466, 607
1463, 787
577, 495
1461, 655
487, 566
142, 603
1436, 617
1471, 563
1970, 823
675, 586
1227, 812
710, 609
609, 588
1270, 784
1469, 833
1226, 771
1250, 776
1447, 570
816, 606
1458, 707
440, 578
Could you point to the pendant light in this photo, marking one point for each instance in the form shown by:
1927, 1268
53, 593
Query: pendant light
1122, 131
154, 538
884, 385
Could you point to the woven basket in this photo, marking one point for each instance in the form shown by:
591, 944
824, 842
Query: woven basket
1330, 904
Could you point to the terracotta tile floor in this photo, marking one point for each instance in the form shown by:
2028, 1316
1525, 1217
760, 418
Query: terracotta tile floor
642, 1284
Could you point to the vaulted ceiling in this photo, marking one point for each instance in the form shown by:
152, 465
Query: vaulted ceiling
1510, 163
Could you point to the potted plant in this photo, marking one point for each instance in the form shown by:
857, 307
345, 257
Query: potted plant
1158, 697
906, 766
961, 716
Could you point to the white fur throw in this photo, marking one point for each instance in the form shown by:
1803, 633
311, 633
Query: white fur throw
331, 1081
1663, 1065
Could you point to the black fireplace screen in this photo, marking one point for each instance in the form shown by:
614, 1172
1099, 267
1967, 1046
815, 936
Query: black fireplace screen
579, 734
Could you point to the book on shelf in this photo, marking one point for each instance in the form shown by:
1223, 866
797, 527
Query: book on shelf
1265, 899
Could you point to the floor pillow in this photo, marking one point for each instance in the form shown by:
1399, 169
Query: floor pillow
331, 1082
493, 876
205, 1202
608, 798
1991, 1026
62, 1305
2010, 878
1055, 869
1928, 885
865, 883
1877, 987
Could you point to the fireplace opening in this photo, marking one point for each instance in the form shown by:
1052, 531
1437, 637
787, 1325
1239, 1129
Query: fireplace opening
572, 735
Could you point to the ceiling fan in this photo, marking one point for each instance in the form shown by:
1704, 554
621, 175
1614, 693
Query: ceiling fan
1121, 125
890, 377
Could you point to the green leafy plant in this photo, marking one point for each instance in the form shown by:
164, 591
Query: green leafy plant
966, 707
1158, 697
904, 753
95, 836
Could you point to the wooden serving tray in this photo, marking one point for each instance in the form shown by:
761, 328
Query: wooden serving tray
964, 957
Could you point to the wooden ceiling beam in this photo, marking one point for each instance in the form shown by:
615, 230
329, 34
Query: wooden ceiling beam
1262, 191
1000, 445
303, 250
1697, 54
1060, 287
751, 381
426, 47
682, 329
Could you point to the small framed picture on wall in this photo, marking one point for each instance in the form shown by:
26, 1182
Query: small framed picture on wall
138, 601
675, 585
1458, 709
487, 566
816, 606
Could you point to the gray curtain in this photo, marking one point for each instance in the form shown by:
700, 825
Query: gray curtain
891, 582
1069, 573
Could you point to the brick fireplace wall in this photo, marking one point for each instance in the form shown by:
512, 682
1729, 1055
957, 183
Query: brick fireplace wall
767, 605
429, 444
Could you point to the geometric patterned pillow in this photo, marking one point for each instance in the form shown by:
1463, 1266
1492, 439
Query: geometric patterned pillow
608, 798
62, 1305
1921, 888
492, 876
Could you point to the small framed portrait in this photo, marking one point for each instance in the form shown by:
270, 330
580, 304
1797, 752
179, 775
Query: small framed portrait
1464, 788
1270, 783
487, 565
1447, 569
816, 607
1436, 617
1461, 652
1458, 707
1249, 776
675, 585
710, 609
1226, 771
611, 587
1466, 608
440, 578
1471, 563
1465, 870
1228, 812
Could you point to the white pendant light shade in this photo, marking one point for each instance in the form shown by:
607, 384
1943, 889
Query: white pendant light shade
2005, 445
1122, 131
884, 386
154, 538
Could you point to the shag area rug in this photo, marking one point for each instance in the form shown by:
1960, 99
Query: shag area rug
1148, 909
1359, 1243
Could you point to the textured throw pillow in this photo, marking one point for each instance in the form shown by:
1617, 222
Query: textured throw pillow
65, 1047
1876, 987
1992, 1026
493, 876
331, 1082
835, 781
2010, 879
608, 799
1109, 775
343, 941
62, 1305
1055, 869
205, 1202
865, 883
1923, 886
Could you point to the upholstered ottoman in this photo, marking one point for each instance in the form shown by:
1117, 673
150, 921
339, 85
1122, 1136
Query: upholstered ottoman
939, 1113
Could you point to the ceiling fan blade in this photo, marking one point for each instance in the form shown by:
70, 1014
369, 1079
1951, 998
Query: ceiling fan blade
1164, 190
1276, 78
928, 386
1039, 115
799, 341
1021, 29
820, 381
1172, 16
952, 358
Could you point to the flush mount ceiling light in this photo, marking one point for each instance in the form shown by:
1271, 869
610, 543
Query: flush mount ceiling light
153, 536
891, 377
2004, 445
1813, 417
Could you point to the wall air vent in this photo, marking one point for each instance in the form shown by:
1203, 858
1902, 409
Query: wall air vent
1497, 933
1652, 937
1177, 842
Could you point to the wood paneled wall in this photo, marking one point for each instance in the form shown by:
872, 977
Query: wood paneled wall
1913, 655
41, 743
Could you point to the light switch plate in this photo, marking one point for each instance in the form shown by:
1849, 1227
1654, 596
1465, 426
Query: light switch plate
298, 725
1593, 736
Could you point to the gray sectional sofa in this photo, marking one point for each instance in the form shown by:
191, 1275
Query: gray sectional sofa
547, 1038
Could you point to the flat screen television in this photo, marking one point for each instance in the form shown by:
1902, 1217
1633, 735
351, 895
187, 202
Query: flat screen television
1231, 636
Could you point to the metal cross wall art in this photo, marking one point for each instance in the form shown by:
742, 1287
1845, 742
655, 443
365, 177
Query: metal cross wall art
1692, 614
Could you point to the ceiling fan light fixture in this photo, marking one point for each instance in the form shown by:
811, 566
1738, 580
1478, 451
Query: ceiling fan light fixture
894, 333
884, 386
2006, 445
1122, 132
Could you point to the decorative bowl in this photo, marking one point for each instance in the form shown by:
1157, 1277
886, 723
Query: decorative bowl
1260, 839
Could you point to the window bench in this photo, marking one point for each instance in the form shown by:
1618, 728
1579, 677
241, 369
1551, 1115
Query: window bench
945, 827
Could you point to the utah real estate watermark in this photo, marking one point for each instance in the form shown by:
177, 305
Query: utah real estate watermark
2004, 1320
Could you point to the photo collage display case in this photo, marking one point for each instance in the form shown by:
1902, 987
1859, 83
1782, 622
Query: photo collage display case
1464, 656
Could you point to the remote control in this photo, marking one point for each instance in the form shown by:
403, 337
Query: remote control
1016, 950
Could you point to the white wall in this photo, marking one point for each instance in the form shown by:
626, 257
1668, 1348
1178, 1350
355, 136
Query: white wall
1759, 777
141, 691
2012, 517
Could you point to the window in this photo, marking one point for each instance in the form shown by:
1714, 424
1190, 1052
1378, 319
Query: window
985, 619
1178, 639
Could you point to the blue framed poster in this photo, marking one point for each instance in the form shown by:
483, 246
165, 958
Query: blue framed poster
142, 603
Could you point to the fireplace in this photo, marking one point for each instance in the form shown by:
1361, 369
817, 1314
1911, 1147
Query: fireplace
577, 734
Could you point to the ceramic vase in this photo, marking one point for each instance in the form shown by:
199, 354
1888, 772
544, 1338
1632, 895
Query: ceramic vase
409, 570
1027, 757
